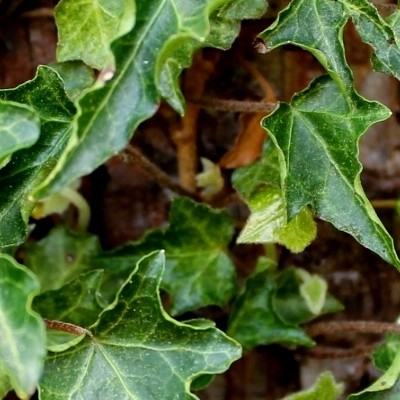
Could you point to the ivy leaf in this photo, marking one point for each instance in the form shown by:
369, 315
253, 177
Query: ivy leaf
86, 29
378, 33
137, 350
386, 387
148, 61
78, 302
19, 128
61, 256
324, 388
45, 94
318, 141
254, 320
195, 243
259, 186
22, 345
385, 354
76, 77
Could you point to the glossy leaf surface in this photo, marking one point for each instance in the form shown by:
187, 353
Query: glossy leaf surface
137, 351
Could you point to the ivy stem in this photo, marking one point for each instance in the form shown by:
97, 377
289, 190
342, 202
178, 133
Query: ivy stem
325, 352
132, 154
335, 327
66, 327
233, 105
384, 203
82, 206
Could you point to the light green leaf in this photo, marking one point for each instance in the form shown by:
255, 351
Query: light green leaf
137, 351
61, 256
290, 303
325, 388
78, 302
195, 242
149, 60
86, 29
28, 167
259, 186
254, 321
317, 136
314, 290
386, 387
19, 128
22, 344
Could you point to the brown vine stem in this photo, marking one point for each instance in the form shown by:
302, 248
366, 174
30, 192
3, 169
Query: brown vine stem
325, 352
232, 105
384, 203
66, 327
42, 12
134, 155
335, 327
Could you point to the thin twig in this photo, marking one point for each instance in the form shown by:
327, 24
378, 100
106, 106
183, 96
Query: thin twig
233, 105
335, 327
42, 12
132, 154
384, 203
325, 352
66, 327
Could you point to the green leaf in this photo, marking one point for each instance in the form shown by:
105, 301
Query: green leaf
387, 387
22, 344
78, 302
76, 77
61, 256
86, 29
259, 186
138, 351
254, 320
149, 60
325, 388
385, 354
44, 94
317, 136
19, 128
195, 242
377, 33
293, 306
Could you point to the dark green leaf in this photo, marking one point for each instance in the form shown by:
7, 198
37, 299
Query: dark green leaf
317, 135
385, 354
148, 62
137, 351
28, 167
254, 321
22, 344
77, 302
195, 242
61, 256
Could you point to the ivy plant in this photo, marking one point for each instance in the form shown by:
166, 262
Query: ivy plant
78, 321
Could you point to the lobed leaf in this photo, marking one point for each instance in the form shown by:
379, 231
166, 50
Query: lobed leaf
259, 186
149, 60
195, 243
22, 345
60, 257
45, 94
318, 141
137, 351
324, 388
86, 29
